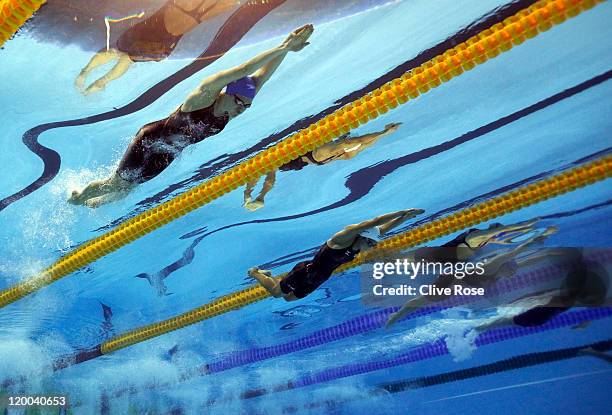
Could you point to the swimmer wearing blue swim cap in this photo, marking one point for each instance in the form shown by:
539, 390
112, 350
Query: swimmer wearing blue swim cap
206, 112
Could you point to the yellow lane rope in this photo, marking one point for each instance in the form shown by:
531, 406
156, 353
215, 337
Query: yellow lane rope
519, 198
499, 38
14, 13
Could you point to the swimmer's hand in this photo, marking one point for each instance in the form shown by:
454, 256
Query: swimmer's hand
393, 127
298, 39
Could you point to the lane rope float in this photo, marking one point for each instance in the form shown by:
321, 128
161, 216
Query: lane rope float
499, 38
14, 13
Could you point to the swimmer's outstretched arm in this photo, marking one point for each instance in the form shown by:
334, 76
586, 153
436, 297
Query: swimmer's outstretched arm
385, 223
410, 305
210, 88
498, 260
347, 147
264, 73
495, 233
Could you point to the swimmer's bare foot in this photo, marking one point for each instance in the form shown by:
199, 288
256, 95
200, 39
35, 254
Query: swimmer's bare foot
411, 213
259, 274
253, 205
79, 82
547, 232
590, 351
392, 127
97, 86
581, 326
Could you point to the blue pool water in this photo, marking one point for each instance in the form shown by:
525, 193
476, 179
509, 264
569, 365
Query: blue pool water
534, 110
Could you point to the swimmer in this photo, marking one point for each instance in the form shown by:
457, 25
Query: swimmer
341, 248
344, 148
206, 112
152, 39
465, 246
585, 285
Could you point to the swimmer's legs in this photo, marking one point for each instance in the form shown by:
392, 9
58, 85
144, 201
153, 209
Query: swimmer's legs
349, 146
102, 191
264, 278
397, 221
384, 223
101, 58
258, 203
121, 67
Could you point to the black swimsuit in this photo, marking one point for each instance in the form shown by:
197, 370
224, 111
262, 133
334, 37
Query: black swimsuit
307, 276
538, 315
157, 144
149, 40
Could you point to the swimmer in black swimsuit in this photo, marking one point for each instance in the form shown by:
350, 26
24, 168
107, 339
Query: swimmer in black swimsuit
341, 248
464, 247
152, 39
206, 112
344, 148
585, 285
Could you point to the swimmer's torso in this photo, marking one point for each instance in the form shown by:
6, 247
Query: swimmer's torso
157, 144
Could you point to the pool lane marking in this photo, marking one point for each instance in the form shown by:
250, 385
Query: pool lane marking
521, 385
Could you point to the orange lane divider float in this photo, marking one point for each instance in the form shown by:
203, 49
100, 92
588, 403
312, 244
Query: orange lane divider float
488, 44
14, 13
567, 181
